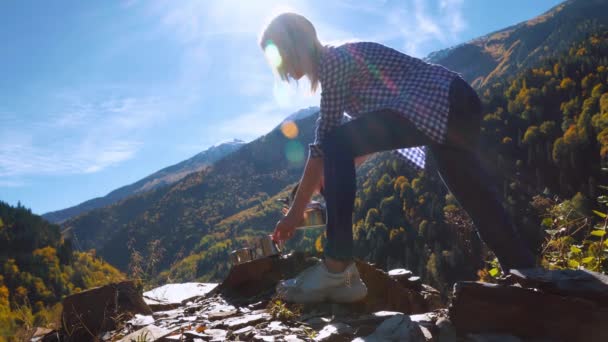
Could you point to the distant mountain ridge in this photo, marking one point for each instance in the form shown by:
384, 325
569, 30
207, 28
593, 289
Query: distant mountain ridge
302, 113
164, 177
502, 53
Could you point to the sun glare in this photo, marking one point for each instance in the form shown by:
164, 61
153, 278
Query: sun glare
289, 129
272, 54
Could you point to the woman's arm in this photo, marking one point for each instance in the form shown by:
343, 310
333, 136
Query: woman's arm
310, 181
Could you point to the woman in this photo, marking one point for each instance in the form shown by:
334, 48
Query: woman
398, 102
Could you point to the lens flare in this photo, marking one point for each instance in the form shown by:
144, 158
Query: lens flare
294, 151
289, 129
272, 54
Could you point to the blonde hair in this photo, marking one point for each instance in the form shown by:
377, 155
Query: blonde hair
296, 40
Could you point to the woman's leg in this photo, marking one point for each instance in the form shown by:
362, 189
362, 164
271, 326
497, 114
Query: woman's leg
379, 131
474, 190
463, 173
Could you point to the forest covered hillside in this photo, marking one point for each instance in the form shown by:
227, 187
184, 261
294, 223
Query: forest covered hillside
503, 53
38, 268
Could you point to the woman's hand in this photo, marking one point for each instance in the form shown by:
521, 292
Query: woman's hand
286, 227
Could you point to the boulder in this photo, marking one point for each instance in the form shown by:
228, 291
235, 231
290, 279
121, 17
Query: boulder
88, 313
479, 308
386, 293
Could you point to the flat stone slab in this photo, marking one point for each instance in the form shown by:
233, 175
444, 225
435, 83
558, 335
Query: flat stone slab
149, 333
576, 283
176, 294
249, 319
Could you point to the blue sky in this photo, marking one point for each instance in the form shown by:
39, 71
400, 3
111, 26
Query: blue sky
95, 95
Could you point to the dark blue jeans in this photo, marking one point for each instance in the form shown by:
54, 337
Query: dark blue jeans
459, 168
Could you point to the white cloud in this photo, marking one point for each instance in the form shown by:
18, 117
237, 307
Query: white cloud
86, 136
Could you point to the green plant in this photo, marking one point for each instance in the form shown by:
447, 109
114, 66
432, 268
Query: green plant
141, 338
574, 239
491, 272
281, 311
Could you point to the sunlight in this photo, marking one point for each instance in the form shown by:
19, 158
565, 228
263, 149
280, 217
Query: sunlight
283, 93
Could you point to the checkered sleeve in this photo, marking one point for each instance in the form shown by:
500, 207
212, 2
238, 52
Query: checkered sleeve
414, 156
334, 76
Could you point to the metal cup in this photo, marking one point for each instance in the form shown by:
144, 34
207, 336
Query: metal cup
240, 256
269, 246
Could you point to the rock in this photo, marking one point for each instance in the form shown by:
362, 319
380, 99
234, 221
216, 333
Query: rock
251, 278
276, 327
317, 322
447, 332
385, 293
432, 297
527, 313
167, 314
235, 323
264, 338
399, 273
335, 332
88, 313
216, 334
245, 332
292, 338
396, 328
141, 320
149, 333
406, 278
215, 315
170, 296
367, 320
573, 283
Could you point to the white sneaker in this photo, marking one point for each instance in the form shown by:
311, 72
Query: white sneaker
316, 284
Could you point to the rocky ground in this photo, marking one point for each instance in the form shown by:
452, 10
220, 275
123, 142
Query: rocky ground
530, 305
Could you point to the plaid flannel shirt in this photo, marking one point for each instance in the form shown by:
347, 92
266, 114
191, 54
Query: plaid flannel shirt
364, 77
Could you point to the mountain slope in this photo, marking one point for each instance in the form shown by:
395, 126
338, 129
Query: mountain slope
502, 53
179, 215
164, 177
